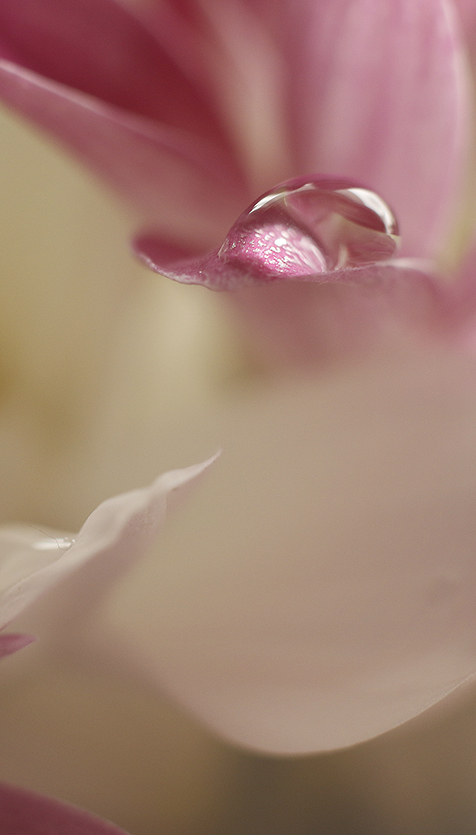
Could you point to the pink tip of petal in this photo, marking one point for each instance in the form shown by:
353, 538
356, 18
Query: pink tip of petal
11, 643
26, 813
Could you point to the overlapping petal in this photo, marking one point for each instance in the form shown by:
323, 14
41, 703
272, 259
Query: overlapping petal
115, 535
333, 236
307, 317
185, 188
104, 50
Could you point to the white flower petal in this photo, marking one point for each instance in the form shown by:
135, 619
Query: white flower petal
321, 588
115, 535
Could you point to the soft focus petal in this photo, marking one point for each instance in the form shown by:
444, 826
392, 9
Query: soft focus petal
185, 186
11, 643
25, 813
379, 93
230, 54
364, 309
321, 589
117, 533
101, 48
467, 11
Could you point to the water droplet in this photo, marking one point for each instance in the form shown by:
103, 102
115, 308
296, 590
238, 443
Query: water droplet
311, 225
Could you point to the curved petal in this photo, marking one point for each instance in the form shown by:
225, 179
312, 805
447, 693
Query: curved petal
25, 813
116, 534
212, 271
321, 588
308, 317
103, 49
185, 186
379, 92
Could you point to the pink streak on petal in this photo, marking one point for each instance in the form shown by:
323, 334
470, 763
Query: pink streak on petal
183, 184
178, 263
101, 48
12, 643
378, 92
115, 535
26, 813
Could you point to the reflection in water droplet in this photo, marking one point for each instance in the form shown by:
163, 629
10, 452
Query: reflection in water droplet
311, 225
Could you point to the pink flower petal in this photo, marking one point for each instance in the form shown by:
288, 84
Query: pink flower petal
378, 92
184, 185
467, 12
25, 813
210, 270
229, 51
115, 535
334, 598
12, 643
100, 47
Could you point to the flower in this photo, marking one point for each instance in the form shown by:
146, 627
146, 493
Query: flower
332, 598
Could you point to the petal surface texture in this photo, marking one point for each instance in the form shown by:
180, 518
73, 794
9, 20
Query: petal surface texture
25, 813
321, 590
117, 533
